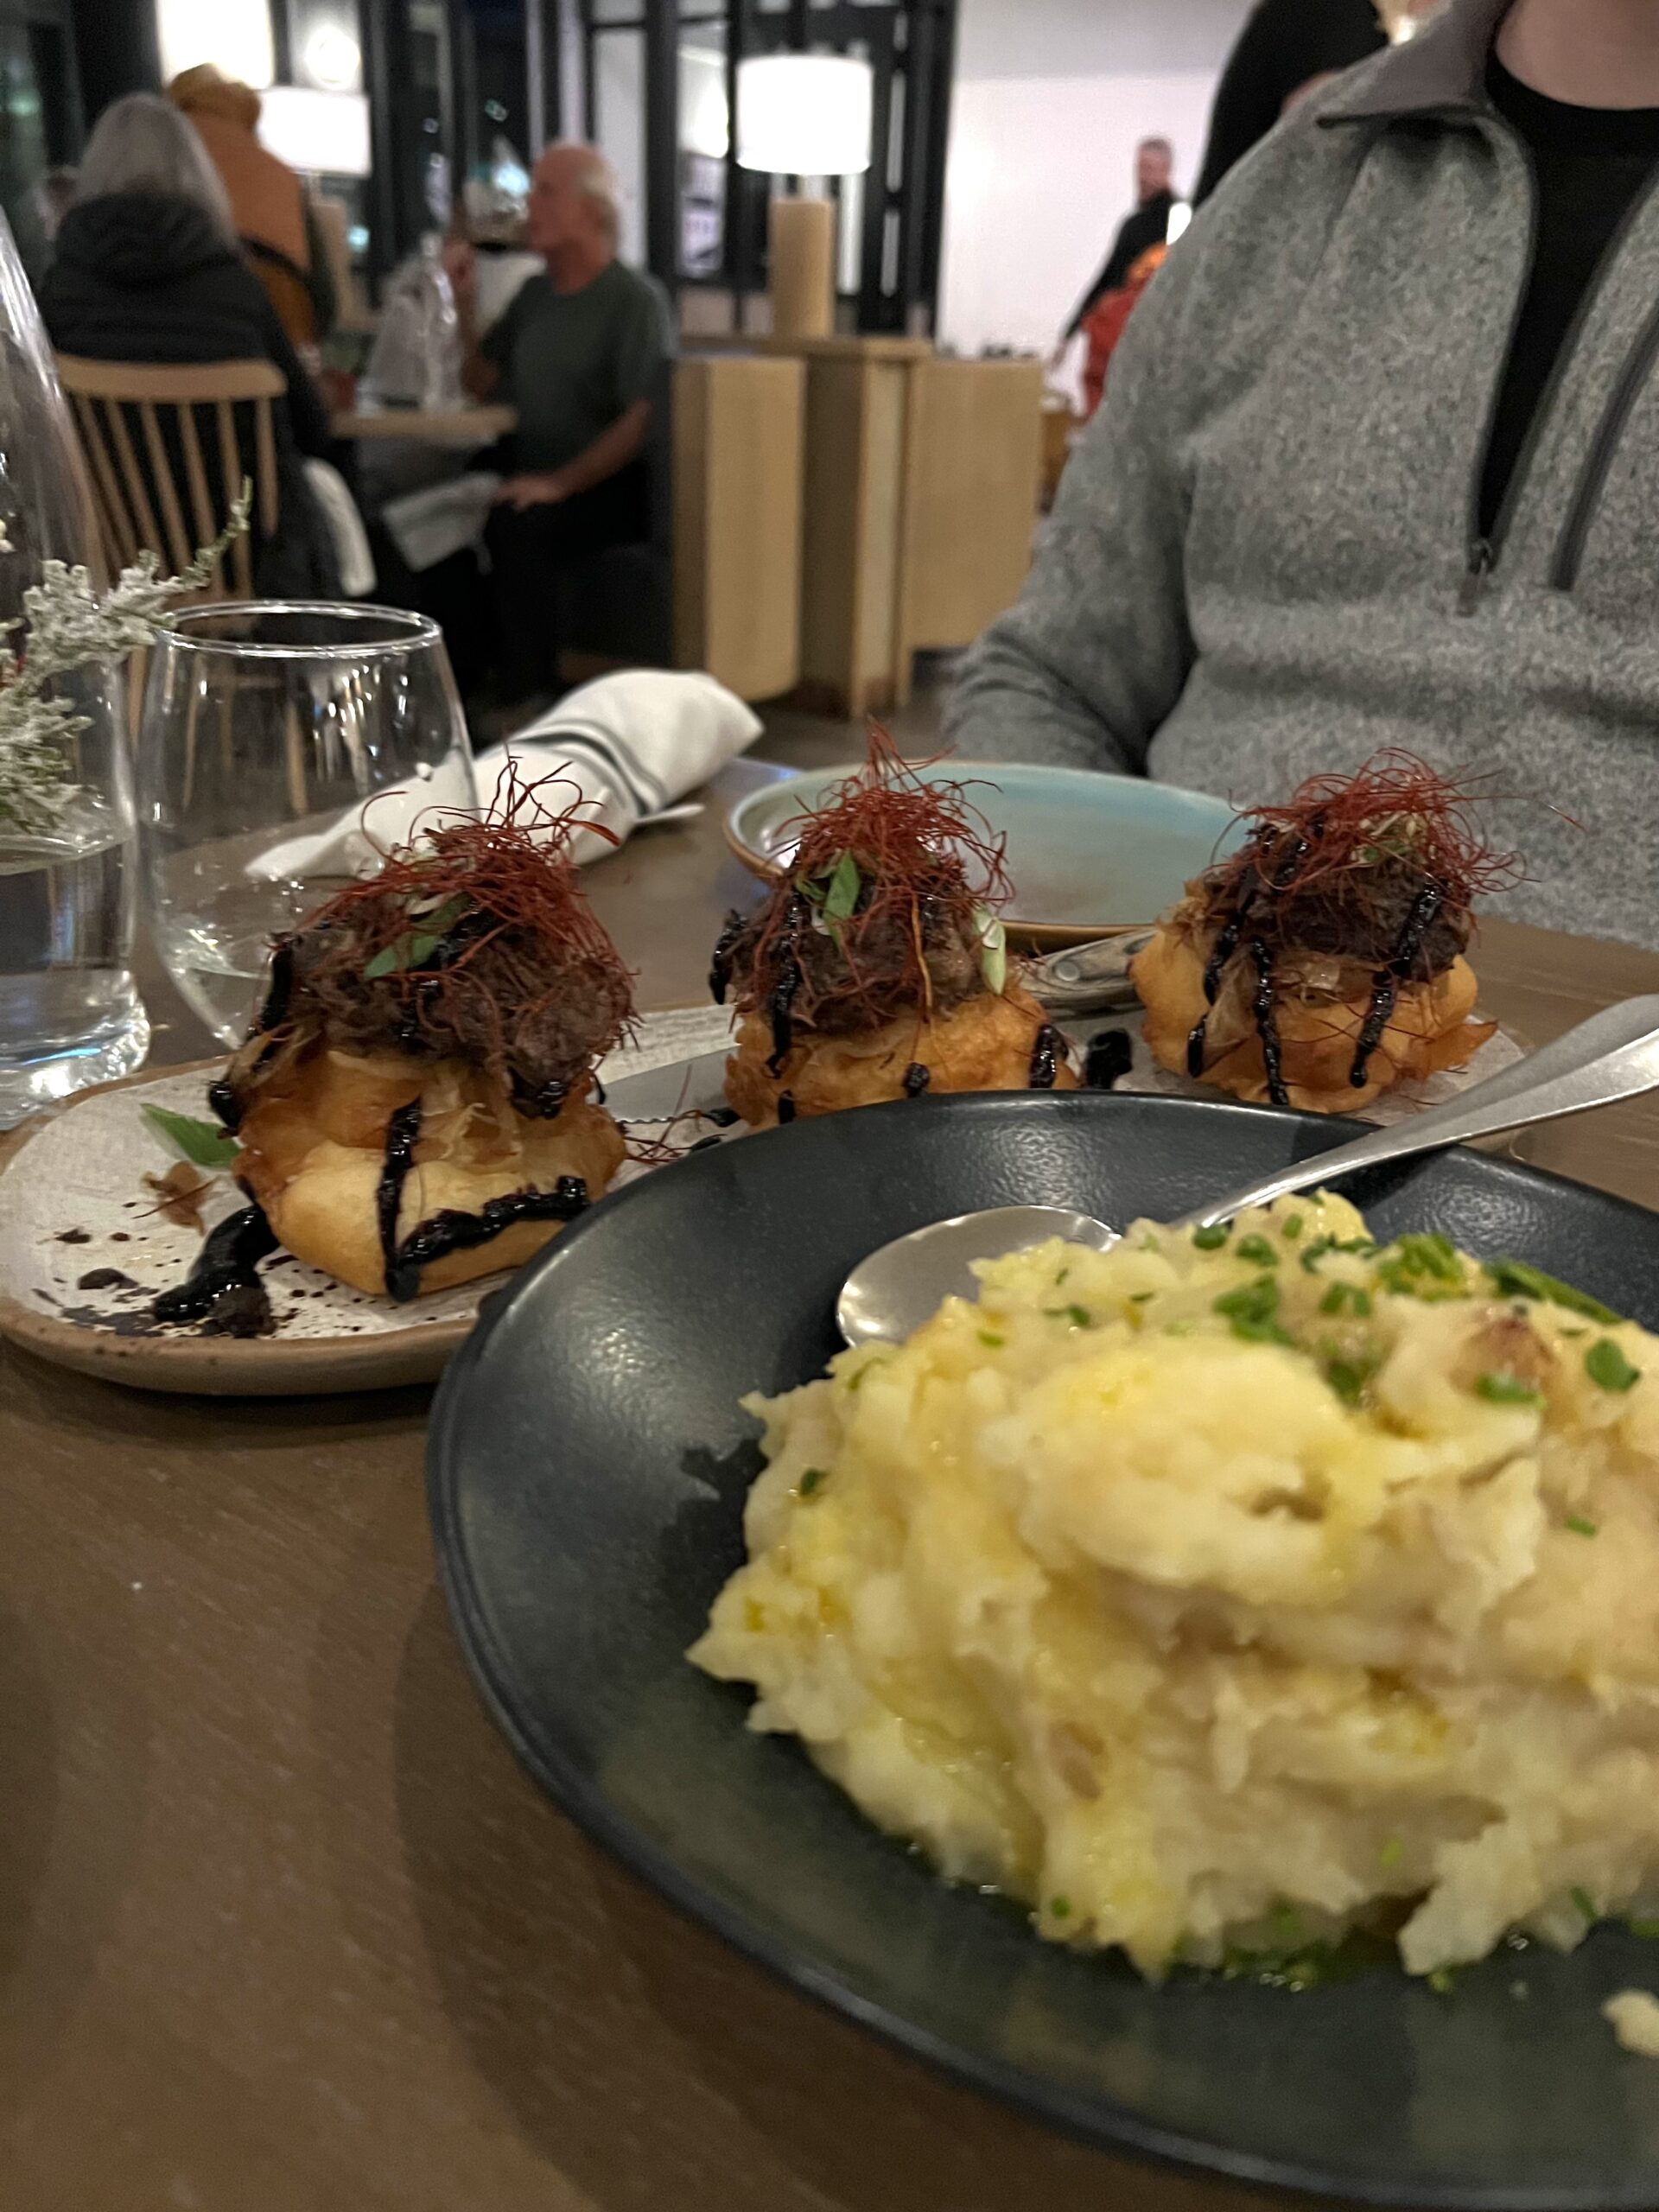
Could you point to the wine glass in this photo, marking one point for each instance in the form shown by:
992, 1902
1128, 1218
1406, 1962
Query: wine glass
284, 747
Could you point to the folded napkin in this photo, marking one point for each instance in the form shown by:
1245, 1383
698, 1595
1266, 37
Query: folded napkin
427, 526
627, 744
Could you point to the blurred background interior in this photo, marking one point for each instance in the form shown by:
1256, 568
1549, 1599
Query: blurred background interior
895, 241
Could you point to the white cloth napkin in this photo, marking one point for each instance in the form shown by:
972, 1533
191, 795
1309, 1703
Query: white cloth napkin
429, 525
630, 745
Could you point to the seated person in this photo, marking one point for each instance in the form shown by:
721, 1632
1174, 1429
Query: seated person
578, 353
147, 268
1378, 465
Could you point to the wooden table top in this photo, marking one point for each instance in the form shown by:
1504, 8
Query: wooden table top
282, 1926
432, 426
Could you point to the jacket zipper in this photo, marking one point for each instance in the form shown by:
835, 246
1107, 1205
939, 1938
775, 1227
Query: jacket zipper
1484, 552
1638, 365
1481, 552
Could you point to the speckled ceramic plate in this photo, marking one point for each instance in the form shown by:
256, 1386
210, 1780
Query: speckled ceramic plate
1088, 854
85, 1246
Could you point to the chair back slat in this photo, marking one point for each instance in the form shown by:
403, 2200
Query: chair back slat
229, 460
114, 520
172, 477
179, 547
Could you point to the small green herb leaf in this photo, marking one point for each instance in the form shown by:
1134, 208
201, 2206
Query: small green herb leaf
1585, 1902
1347, 1297
993, 949
204, 1144
1212, 1238
990, 1338
841, 900
810, 1480
1607, 1367
1580, 1526
1257, 1251
1440, 1982
1647, 1930
1391, 1853
1060, 1907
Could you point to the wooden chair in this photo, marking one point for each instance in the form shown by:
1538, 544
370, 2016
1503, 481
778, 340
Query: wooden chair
191, 397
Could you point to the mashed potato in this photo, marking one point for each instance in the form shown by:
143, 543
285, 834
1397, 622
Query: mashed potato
1219, 1591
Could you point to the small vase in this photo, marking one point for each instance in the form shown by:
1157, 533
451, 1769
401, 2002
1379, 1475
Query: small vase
70, 1014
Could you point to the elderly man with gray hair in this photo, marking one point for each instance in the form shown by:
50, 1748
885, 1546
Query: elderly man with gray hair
578, 353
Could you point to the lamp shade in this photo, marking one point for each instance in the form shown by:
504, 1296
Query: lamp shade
322, 133
804, 114
233, 34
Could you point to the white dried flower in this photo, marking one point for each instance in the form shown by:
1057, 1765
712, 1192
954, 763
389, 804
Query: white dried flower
71, 624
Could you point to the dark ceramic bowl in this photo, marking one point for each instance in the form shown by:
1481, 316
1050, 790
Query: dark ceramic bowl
588, 1471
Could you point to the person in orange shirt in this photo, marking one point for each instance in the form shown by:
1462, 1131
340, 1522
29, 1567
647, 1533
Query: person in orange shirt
268, 203
1104, 323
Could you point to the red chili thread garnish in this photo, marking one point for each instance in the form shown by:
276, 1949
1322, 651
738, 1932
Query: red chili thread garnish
929, 868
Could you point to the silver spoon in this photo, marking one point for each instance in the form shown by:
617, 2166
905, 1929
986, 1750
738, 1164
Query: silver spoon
1612, 1056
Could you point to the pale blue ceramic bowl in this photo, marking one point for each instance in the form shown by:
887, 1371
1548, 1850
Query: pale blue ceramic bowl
1088, 854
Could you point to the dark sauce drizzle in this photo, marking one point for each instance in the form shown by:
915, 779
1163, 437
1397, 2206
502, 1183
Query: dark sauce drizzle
720, 966
1266, 1026
226, 1273
401, 1133
1226, 945
1047, 1052
789, 982
917, 1075
542, 1105
1109, 1059
450, 1231
1385, 987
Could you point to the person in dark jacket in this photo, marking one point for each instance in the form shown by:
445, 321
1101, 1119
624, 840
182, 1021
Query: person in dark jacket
1154, 194
147, 268
1287, 48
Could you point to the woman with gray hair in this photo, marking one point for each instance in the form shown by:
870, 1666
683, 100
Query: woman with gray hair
147, 269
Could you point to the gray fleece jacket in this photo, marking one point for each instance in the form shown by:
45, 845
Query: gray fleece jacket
1264, 562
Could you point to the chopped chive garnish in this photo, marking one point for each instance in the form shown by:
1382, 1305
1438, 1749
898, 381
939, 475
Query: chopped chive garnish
1212, 1238
1580, 1527
1060, 1907
1348, 1296
810, 1480
1506, 1390
1257, 1251
990, 1337
1291, 1225
1647, 1930
1140, 1297
1078, 1316
1514, 1279
1252, 1309
1391, 1853
1584, 1902
1607, 1367
1440, 1982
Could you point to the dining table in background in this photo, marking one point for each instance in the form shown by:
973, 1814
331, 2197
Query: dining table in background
283, 1927
460, 427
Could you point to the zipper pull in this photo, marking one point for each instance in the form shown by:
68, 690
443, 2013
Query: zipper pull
1481, 561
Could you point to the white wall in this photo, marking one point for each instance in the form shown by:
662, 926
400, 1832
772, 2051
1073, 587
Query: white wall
1052, 98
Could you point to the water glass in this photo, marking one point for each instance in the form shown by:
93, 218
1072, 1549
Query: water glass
69, 1012
284, 747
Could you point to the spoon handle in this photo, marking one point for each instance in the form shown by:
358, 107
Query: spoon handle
1614, 1055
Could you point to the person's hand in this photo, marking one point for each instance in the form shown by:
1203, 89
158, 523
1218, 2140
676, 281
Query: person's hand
460, 266
544, 491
